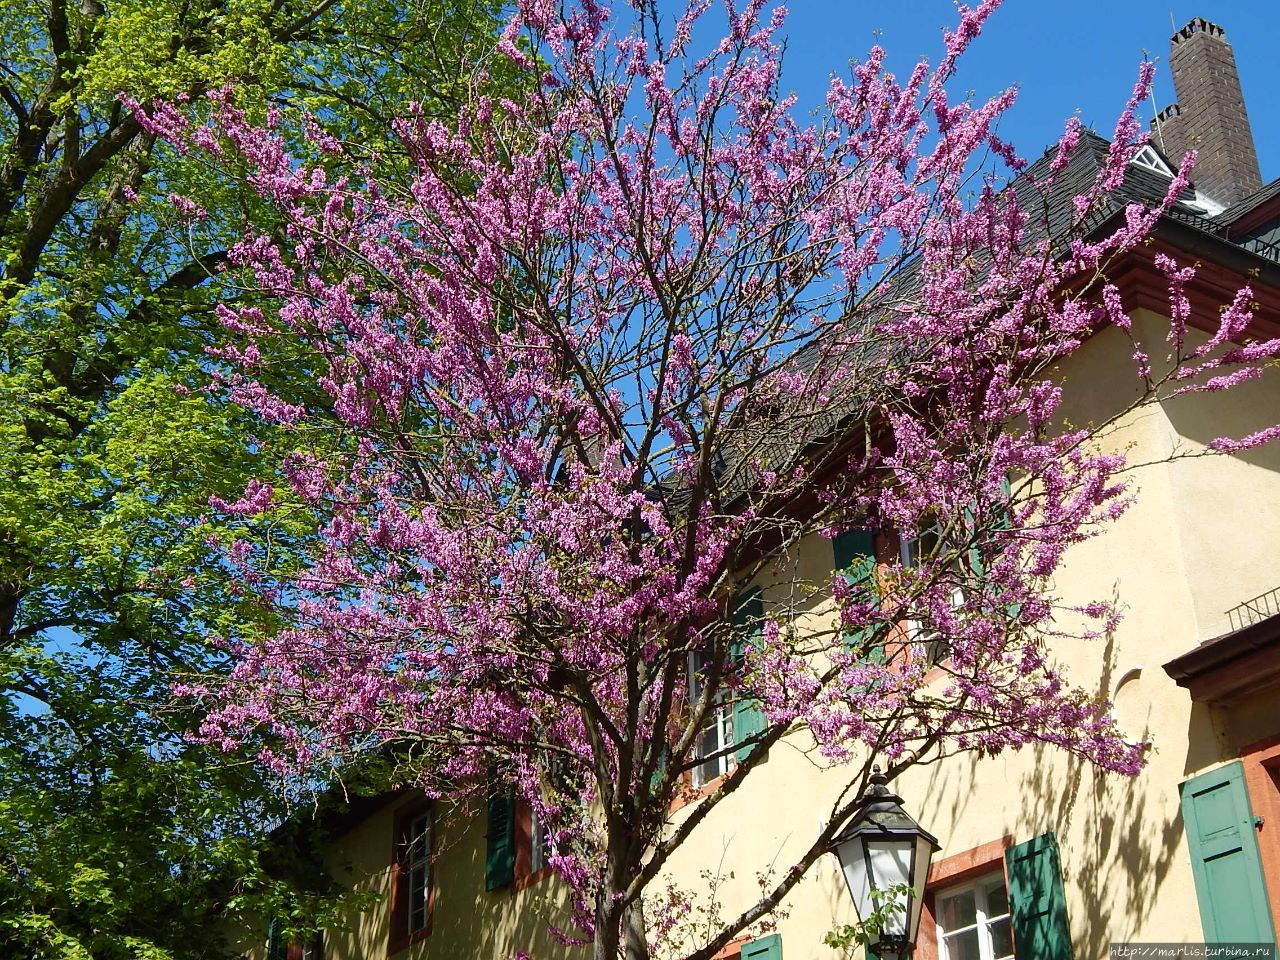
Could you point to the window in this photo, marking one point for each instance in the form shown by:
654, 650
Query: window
1148, 159
278, 948
417, 866
411, 892
733, 719
540, 848
716, 736
973, 920
916, 551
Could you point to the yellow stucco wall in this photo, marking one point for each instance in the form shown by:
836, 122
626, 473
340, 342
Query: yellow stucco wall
1202, 535
466, 921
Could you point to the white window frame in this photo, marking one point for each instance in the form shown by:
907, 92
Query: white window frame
417, 867
718, 724
540, 845
983, 919
925, 641
1148, 159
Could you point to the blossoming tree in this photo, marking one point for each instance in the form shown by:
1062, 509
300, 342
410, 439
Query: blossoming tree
613, 351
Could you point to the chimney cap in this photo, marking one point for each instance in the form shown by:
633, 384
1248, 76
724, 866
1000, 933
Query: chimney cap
1198, 25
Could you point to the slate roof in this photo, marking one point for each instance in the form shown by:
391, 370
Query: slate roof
1249, 203
1146, 187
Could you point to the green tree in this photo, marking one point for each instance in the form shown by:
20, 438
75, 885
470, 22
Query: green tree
117, 837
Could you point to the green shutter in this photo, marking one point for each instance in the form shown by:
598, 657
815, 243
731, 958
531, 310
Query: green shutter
975, 555
500, 859
748, 618
855, 556
764, 948
277, 946
1004, 521
1037, 900
1224, 858
658, 771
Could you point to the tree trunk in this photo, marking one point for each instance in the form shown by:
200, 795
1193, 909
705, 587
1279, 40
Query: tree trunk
605, 946
635, 939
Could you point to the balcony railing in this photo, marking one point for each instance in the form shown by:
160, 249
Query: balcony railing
1252, 611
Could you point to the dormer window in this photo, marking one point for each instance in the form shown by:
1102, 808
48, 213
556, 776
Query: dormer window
1148, 159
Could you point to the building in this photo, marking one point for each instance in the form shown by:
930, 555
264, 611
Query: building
1041, 858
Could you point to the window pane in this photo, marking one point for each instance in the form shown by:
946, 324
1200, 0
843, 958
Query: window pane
997, 898
706, 772
417, 898
419, 840
963, 946
958, 910
696, 662
540, 844
709, 739
1001, 939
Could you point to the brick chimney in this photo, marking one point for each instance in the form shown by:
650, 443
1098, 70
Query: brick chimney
1209, 115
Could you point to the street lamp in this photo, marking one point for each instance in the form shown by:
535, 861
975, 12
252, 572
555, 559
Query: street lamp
885, 858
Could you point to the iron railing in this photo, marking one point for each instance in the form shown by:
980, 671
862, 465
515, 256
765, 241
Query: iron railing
1262, 248
1252, 611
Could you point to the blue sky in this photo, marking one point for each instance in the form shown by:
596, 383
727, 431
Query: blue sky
1064, 55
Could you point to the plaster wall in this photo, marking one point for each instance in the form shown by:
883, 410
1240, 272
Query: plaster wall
466, 920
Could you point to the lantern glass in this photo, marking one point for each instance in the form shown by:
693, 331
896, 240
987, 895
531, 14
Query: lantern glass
924, 851
878, 871
891, 863
854, 863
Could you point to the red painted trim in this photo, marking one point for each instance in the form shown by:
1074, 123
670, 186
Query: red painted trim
1262, 782
1256, 217
963, 866
969, 863
523, 840
1141, 284
731, 949
688, 795
397, 938
525, 876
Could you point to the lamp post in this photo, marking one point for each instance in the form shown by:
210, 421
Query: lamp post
885, 856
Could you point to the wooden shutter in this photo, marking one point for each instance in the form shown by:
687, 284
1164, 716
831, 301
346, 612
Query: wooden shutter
764, 948
1037, 900
1224, 857
855, 556
500, 859
277, 946
1005, 521
748, 720
658, 771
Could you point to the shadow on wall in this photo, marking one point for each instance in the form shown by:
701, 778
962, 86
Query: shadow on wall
1119, 836
1246, 409
1206, 745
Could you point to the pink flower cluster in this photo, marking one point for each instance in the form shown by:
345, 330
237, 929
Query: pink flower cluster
613, 348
